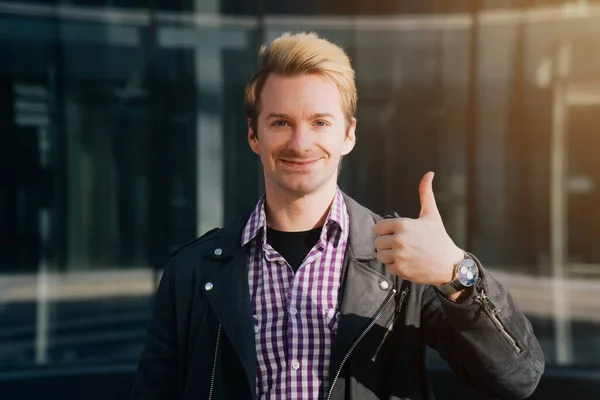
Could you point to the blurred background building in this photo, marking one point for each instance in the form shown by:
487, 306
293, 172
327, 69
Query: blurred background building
123, 136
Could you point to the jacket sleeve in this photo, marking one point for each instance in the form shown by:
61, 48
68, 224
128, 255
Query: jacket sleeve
156, 374
487, 342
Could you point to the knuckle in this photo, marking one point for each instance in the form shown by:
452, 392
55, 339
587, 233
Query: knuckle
400, 224
401, 257
398, 239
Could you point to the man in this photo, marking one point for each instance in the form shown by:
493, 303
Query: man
312, 296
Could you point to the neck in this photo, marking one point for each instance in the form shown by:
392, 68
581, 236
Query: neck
294, 213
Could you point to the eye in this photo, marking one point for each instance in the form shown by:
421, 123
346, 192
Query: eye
280, 122
321, 123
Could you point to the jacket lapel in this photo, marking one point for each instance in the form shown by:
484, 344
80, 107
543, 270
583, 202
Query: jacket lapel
229, 298
364, 291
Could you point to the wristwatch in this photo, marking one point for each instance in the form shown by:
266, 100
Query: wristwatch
466, 273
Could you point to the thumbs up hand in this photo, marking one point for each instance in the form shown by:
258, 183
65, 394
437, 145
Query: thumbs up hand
419, 250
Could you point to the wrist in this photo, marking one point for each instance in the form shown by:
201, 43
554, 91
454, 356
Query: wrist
450, 267
459, 296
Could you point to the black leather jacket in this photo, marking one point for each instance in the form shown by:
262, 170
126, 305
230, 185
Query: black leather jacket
200, 340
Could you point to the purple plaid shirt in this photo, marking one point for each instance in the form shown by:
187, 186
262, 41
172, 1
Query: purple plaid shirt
295, 315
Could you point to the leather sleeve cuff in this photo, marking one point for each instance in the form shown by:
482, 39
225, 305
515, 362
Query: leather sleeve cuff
462, 313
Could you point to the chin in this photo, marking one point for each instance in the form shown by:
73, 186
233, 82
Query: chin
299, 188
302, 186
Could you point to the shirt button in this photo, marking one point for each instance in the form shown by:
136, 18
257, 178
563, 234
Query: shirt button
383, 285
293, 311
295, 364
281, 262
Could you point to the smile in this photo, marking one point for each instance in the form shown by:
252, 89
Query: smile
299, 163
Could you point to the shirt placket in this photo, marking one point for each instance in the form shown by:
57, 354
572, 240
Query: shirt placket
296, 372
277, 269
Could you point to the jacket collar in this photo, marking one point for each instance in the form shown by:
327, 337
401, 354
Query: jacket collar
361, 240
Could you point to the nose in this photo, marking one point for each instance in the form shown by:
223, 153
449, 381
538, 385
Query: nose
301, 140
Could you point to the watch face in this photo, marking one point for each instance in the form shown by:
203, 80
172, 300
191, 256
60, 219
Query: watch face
467, 272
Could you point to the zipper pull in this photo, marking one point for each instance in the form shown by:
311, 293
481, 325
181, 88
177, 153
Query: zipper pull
494, 313
401, 300
391, 325
485, 300
385, 335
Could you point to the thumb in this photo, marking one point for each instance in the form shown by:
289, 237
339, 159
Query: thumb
428, 205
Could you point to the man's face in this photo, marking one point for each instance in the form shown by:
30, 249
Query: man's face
301, 133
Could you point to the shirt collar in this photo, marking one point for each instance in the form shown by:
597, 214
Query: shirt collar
337, 216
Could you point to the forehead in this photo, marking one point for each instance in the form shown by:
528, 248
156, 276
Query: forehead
306, 93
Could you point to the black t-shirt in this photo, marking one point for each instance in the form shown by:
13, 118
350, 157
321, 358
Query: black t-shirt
293, 246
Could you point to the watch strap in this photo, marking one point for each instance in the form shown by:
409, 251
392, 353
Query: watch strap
451, 287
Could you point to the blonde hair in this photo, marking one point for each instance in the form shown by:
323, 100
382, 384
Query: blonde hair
303, 53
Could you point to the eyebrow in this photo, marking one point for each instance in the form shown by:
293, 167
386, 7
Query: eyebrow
286, 116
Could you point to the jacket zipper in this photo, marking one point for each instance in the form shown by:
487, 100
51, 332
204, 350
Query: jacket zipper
214, 368
492, 311
391, 326
358, 339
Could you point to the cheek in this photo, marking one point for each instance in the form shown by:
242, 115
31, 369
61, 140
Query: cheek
271, 146
335, 147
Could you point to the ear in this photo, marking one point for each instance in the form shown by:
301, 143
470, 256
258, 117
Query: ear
252, 137
350, 138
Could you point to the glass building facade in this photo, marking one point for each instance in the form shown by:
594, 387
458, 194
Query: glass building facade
123, 136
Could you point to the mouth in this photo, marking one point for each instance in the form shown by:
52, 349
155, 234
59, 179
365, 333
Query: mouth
298, 163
